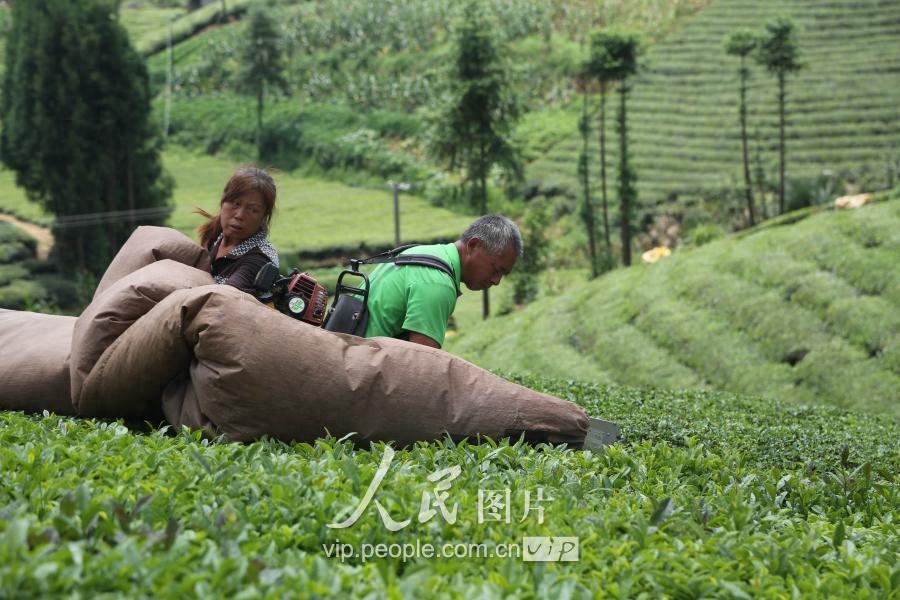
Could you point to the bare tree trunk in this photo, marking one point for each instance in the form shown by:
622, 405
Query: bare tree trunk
111, 206
259, 123
588, 204
485, 297
781, 144
625, 198
79, 241
747, 185
606, 235
129, 182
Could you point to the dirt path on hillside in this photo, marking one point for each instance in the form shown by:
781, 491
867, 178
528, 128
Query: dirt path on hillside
41, 234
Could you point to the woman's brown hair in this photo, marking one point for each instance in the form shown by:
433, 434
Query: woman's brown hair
244, 180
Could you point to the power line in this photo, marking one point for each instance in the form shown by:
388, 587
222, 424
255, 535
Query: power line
113, 216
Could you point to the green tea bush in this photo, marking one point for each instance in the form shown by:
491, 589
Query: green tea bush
869, 231
645, 362
760, 429
326, 138
704, 233
188, 24
708, 494
14, 251
804, 312
869, 270
892, 293
65, 294
890, 356
818, 290
24, 279
540, 130
808, 191
843, 375
707, 343
22, 294
870, 322
15, 245
10, 234
778, 329
10, 272
867, 321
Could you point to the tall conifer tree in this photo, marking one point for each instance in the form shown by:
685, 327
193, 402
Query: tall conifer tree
741, 43
779, 54
262, 64
76, 127
614, 57
604, 64
474, 129
584, 173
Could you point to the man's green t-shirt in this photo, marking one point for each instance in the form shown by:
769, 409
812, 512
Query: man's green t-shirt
414, 298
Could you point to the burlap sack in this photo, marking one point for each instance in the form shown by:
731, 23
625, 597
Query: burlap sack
113, 312
154, 353
148, 244
34, 362
256, 372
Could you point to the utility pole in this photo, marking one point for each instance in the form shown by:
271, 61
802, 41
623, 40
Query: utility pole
397, 187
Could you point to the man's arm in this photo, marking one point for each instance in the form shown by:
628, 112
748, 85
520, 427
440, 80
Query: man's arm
418, 338
428, 309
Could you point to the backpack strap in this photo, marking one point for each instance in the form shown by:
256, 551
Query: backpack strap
386, 256
426, 260
419, 260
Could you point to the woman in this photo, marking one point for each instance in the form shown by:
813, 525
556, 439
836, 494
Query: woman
236, 236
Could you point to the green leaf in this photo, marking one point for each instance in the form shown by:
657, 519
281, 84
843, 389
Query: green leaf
840, 535
16, 536
736, 591
67, 505
663, 509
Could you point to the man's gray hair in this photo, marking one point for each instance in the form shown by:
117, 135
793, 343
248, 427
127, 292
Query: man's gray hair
496, 232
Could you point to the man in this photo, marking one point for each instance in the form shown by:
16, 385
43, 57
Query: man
415, 302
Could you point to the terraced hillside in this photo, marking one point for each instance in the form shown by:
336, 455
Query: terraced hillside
808, 312
363, 80
843, 107
360, 82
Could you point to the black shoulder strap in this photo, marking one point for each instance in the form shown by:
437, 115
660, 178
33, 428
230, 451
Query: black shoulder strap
426, 260
419, 260
387, 256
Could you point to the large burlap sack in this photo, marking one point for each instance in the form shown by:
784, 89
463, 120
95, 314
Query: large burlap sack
113, 312
255, 372
34, 362
148, 244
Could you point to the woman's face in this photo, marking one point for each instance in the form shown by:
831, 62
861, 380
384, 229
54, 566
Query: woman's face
242, 217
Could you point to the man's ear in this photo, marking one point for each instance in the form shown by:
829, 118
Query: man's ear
473, 244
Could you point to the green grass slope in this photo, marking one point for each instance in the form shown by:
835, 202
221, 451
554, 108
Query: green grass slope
843, 107
312, 215
313, 218
708, 495
808, 312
